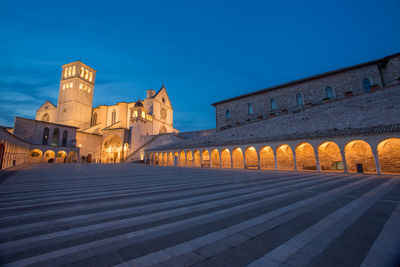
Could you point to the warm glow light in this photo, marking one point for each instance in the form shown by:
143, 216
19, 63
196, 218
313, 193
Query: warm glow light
80, 86
65, 73
63, 86
143, 115
70, 85
73, 70
86, 74
70, 71
135, 114
82, 72
80, 145
90, 76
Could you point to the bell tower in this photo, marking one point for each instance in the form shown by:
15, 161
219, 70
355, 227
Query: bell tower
75, 98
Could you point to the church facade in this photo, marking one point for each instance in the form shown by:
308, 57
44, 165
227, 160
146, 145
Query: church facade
105, 133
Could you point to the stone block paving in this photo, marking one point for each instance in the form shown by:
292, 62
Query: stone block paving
136, 215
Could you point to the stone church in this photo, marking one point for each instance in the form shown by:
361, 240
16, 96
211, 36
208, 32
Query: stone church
106, 133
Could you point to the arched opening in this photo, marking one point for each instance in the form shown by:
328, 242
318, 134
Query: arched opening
89, 158
305, 158
196, 158
176, 158
251, 158
284, 158
111, 149
155, 158
205, 157
45, 117
165, 159
237, 158
215, 159
182, 159
170, 159
189, 158
61, 157
49, 156
163, 130
72, 157
267, 158
35, 156
226, 161
329, 156
65, 138
55, 137
160, 159
113, 116
94, 119
359, 157
45, 140
389, 155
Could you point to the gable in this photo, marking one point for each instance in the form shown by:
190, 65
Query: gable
47, 106
162, 94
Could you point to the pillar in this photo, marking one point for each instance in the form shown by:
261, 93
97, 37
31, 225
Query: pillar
376, 159
342, 153
317, 159
294, 159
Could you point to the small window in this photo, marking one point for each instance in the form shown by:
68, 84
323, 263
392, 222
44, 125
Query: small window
299, 99
163, 100
273, 104
113, 116
329, 92
366, 85
250, 109
228, 114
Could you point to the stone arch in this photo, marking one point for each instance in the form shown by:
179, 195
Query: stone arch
251, 157
170, 159
160, 158
46, 134
72, 157
237, 158
389, 155
330, 158
359, 152
189, 159
112, 149
267, 158
165, 159
64, 138
45, 117
196, 159
49, 156
163, 130
155, 162
182, 159
215, 158
226, 160
61, 156
284, 157
305, 157
176, 158
89, 158
55, 137
205, 158
35, 156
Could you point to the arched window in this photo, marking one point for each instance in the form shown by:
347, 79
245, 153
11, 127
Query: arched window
329, 92
273, 104
65, 137
163, 130
45, 140
45, 117
113, 116
299, 99
228, 114
250, 109
94, 119
366, 85
55, 137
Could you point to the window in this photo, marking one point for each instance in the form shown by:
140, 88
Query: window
250, 109
329, 92
45, 117
73, 70
69, 71
366, 85
90, 76
273, 104
64, 139
299, 99
228, 114
82, 72
94, 119
45, 140
113, 116
134, 114
65, 72
143, 115
55, 137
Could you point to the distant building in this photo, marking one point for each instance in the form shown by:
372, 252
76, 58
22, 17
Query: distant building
343, 120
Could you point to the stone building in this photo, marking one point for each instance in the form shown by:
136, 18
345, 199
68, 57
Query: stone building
342, 120
106, 133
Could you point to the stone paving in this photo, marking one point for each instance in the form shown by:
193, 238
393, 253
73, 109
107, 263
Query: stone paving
135, 215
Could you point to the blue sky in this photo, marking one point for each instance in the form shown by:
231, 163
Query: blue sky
204, 51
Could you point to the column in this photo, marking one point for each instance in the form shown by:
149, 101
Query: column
317, 159
343, 160
376, 158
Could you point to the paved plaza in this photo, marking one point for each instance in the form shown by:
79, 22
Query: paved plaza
135, 215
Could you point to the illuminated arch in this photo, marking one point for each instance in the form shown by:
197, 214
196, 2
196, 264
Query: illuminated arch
267, 158
226, 161
284, 157
170, 159
182, 159
215, 159
162, 130
72, 157
237, 158
49, 156
330, 158
61, 157
305, 157
389, 155
359, 152
176, 158
196, 158
251, 158
165, 159
160, 158
45, 117
189, 159
35, 156
205, 158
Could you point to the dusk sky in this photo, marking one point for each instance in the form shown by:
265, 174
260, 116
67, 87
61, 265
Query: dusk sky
204, 51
